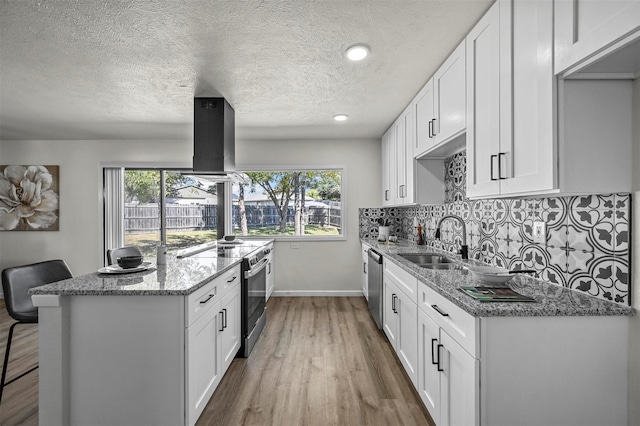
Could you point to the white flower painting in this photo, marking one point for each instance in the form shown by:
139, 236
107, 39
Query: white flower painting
29, 198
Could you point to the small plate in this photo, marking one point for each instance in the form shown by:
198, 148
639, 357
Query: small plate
116, 269
490, 274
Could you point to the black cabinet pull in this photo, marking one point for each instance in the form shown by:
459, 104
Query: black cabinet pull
438, 363
433, 356
221, 321
386, 195
364, 267
431, 129
500, 165
232, 279
440, 311
224, 318
211, 296
492, 157
393, 303
433, 126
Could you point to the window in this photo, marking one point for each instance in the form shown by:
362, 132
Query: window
289, 203
149, 207
140, 210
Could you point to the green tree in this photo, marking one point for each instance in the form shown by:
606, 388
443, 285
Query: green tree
144, 185
279, 187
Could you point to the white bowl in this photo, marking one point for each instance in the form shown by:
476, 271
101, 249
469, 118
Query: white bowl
490, 274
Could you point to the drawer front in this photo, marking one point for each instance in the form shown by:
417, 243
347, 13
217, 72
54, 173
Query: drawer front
406, 282
460, 325
228, 280
201, 300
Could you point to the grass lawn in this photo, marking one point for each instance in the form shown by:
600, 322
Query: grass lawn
179, 240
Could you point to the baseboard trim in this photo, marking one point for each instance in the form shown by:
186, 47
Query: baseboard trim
316, 293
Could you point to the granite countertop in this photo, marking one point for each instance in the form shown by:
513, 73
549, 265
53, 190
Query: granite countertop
177, 277
551, 299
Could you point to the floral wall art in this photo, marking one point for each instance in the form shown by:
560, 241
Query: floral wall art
29, 198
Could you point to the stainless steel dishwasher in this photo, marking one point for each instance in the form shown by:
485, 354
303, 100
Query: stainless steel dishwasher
374, 285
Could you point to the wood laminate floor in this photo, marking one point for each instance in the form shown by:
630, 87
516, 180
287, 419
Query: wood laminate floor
319, 361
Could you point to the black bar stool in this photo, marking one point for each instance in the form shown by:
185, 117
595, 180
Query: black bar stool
16, 283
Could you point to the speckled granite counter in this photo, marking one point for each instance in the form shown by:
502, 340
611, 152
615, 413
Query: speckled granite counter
178, 277
551, 300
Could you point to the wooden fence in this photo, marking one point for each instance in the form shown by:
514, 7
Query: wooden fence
145, 219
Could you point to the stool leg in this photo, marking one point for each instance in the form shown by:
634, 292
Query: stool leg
6, 358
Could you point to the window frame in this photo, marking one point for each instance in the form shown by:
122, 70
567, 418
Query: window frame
291, 167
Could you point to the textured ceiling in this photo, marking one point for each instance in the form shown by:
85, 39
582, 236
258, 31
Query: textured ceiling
129, 69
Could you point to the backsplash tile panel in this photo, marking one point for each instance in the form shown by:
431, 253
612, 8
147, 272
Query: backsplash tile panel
587, 244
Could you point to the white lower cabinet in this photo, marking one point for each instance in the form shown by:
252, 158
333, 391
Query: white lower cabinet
212, 339
203, 362
271, 274
494, 371
400, 315
447, 381
364, 272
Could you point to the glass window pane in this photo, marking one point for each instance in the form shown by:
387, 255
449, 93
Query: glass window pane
191, 207
292, 203
142, 210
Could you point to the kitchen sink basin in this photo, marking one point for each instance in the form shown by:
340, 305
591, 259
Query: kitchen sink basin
429, 260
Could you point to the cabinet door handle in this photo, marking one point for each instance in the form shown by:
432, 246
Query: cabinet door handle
430, 129
205, 301
403, 192
364, 267
434, 127
221, 321
438, 363
224, 318
393, 303
440, 311
492, 157
269, 265
500, 154
232, 279
433, 356
386, 195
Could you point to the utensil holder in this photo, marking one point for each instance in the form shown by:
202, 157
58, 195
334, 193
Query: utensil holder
383, 231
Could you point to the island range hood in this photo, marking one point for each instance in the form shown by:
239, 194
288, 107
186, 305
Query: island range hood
214, 151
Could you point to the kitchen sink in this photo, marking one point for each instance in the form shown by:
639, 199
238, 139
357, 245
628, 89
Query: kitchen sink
429, 260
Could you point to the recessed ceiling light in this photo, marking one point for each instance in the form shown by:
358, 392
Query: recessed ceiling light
340, 117
358, 52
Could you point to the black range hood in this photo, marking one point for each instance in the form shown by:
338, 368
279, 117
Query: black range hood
214, 151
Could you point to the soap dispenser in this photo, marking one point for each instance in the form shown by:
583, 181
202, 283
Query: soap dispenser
420, 239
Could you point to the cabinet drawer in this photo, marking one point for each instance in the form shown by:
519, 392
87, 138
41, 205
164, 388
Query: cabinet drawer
228, 280
201, 300
459, 324
406, 282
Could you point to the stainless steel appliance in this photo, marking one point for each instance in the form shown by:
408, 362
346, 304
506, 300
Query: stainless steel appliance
374, 285
254, 306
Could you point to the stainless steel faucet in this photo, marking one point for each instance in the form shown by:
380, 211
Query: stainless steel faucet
464, 248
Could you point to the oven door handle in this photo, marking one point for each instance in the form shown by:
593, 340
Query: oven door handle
256, 269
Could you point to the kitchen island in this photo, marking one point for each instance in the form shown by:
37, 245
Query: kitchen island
144, 348
558, 360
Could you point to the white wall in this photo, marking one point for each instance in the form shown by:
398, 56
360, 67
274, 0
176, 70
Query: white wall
331, 266
315, 266
634, 326
78, 240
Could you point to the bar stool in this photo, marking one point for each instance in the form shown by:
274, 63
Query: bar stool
16, 283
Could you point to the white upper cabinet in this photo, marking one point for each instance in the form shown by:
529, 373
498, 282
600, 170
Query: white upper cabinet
483, 104
584, 28
511, 139
530, 133
439, 108
449, 97
397, 161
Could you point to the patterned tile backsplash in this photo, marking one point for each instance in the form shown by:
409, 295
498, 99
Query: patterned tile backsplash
587, 244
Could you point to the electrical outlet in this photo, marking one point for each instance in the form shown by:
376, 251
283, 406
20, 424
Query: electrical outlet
415, 221
539, 232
